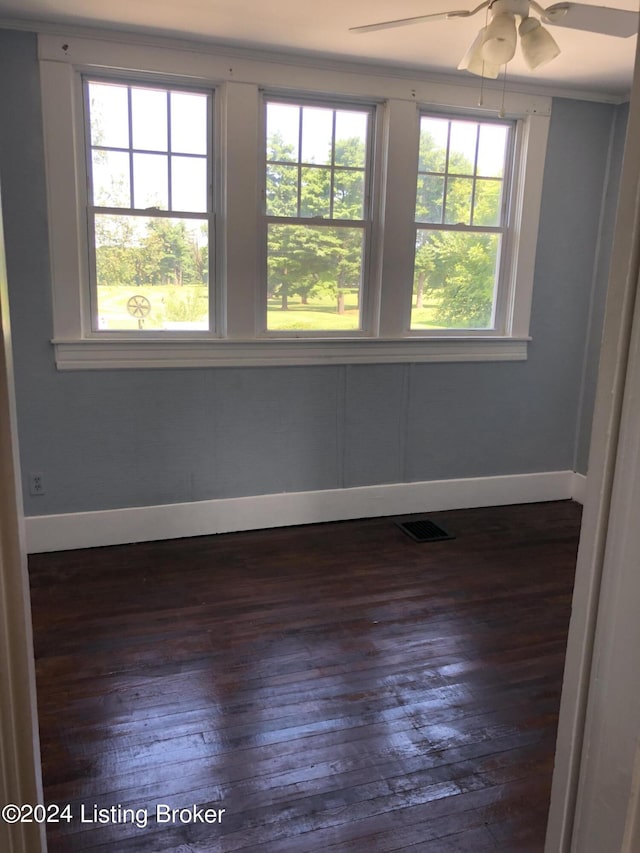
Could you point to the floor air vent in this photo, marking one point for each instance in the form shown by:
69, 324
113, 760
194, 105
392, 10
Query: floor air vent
423, 530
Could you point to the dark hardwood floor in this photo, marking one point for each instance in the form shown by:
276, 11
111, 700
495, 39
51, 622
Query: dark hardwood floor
336, 687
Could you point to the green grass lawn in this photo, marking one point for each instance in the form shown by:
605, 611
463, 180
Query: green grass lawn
169, 304
186, 307
424, 318
319, 315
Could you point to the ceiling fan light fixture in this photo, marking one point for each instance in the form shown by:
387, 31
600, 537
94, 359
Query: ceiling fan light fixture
474, 62
538, 45
500, 40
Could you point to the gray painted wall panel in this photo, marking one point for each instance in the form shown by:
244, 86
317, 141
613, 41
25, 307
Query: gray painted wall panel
109, 439
596, 324
375, 424
483, 419
277, 430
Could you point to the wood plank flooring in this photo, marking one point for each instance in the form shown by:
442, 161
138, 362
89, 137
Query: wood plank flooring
335, 687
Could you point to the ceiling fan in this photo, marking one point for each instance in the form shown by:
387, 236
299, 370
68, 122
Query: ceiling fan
496, 42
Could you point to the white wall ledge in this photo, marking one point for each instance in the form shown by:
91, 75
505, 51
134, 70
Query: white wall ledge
109, 354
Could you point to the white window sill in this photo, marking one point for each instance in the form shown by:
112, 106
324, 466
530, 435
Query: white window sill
110, 354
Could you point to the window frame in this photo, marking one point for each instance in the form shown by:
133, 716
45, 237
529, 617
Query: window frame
209, 215
367, 223
505, 283
239, 79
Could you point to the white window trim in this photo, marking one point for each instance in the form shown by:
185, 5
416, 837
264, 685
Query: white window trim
94, 210
238, 146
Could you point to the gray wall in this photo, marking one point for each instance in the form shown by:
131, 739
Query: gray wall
596, 319
108, 439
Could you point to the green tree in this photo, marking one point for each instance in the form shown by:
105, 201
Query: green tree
348, 203
460, 268
468, 297
167, 254
282, 178
116, 250
303, 259
292, 255
342, 254
297, 261
199, 249
456, 268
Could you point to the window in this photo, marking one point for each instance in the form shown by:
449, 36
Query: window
461, 217
317, 216
362, 217
149, 206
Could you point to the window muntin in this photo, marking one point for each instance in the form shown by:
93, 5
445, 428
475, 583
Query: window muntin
149, 214
461, 223
317, 215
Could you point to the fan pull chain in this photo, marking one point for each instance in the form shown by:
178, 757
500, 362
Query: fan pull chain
501, 112
481, 101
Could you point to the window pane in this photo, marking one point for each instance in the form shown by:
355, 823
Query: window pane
317, 135
458, 207
315, 192
433, 144
348, 195
150, 181
149, 116
492, 150
314, 278
188, 123
109, 111
283, 128
152, 273
488, 201
430, 198
189, 184
314, 272
282, 190
335, 141
462, 147
351, 138
110, 177
454, 280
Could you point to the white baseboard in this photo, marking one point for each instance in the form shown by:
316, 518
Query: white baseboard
173, 521
578, 487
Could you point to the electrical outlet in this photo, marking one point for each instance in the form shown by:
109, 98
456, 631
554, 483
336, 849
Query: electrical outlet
36, 484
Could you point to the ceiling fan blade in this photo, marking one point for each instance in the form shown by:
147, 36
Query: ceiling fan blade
403, 22
594, 19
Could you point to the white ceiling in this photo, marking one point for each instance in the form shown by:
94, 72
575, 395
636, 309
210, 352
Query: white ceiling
588, 62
